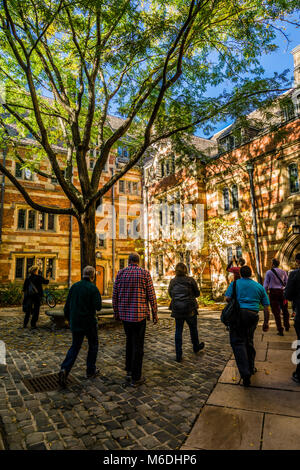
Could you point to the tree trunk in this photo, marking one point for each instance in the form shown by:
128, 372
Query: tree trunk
87, 231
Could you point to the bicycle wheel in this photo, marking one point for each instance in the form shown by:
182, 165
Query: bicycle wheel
51, 300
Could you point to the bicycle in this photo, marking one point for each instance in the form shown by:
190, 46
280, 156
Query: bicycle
49, 298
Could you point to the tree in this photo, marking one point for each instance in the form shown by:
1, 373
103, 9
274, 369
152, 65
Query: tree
67, 65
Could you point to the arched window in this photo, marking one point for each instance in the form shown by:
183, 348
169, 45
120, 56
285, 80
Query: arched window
226, 199
235, 197
294, 178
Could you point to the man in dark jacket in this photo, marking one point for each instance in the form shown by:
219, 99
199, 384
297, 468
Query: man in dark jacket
292, 292
83, 301
183, 291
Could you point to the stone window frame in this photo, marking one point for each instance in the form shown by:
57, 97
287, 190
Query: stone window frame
234, 207
26, 256
37, 213
22, 177
226, 188
123, 259
123, 191
294, 165
159, 265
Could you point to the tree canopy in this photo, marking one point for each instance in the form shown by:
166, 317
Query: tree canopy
66, 66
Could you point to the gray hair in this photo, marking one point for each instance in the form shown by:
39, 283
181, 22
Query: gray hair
133, 258
89, 272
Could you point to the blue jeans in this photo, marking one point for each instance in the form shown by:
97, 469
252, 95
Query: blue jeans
192, 322
78, 337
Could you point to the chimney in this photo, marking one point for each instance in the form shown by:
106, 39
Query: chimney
296, 55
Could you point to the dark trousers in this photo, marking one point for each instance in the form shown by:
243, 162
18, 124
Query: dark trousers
242, 343
278, 304
297, 329
77, 340
33, 308
192, 323
135, 336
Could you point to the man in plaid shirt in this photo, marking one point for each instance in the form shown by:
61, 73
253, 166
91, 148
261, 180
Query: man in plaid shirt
133, 290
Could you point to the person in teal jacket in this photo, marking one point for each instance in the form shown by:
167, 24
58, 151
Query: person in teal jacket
83, 301
250, 295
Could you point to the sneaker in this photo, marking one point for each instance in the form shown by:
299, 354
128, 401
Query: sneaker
200, 347
246, 381
137, 383
295, 378
93, 375
62, 378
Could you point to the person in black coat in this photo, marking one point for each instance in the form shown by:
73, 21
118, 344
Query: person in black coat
183, 291
33, 293
292, 292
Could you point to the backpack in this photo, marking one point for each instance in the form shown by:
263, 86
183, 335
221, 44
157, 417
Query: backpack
182, 300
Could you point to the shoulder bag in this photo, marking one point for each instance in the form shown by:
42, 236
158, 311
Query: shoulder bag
231, 313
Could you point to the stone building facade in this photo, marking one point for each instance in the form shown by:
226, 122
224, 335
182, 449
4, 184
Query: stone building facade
52, 241
173, 209
269, 156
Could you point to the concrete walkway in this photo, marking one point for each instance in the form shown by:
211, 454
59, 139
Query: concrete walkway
265, 416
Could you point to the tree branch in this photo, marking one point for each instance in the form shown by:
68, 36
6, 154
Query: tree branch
34, 205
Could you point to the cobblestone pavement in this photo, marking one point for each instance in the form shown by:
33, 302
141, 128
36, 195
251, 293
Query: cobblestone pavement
102, 413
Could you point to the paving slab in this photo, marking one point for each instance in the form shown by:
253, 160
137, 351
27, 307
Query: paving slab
275, 375
241, 430
279, 356
281, 433
285, 345
67, 419
230, 374
272, 336
261, 354
256, 399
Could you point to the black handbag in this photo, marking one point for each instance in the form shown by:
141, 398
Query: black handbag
231, 313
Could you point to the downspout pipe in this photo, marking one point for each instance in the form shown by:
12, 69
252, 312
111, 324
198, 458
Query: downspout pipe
70, 250
113, 227
250, 169
70, 246
4, 153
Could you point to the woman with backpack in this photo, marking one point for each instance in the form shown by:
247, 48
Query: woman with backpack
183, 291
33, 293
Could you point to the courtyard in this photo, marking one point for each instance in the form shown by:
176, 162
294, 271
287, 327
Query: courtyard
101, 413
178, 408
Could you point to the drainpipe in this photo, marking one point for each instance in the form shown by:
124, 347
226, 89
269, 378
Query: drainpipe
147, 227
2, 194
113, 227
71, 243
70, 249
250, 169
